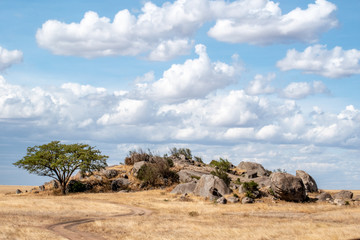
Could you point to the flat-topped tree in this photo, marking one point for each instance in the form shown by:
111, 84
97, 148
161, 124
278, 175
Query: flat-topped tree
60, 161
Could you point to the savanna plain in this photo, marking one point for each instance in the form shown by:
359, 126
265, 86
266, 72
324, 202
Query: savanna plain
158, 214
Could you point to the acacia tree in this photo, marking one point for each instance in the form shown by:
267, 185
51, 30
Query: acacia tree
60, 161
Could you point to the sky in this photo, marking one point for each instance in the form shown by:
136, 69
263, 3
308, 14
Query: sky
273, 82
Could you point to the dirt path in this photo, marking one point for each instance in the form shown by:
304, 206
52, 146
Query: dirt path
69, 230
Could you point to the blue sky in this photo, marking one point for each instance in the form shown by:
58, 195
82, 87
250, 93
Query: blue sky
275, 82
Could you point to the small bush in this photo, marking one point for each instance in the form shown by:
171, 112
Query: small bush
222, 164
181, 151
75, 186
249, 194
198, 159
238, 182
195, 177
157, 173
138, 156
222, 175
250, 186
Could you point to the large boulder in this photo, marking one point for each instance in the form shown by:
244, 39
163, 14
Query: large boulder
186, 176
211, 186
324, 197
110, 173
309, 182
120, 184
253, 168
184, 188
344, 194
137, 167
288, 187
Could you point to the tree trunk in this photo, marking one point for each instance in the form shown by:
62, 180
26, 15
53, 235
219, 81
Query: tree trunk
63, 188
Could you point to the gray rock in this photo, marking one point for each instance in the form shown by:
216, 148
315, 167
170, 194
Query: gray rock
242, 189
309, 182
263, 181
340, 202
251, 174
221, 200
288, 187
18, 191
233, 199
110, 173
119, 184
247, 200
251, 166
211, 186
189, 175
344, 194
356, 198
184, 188
137, 167
324, 197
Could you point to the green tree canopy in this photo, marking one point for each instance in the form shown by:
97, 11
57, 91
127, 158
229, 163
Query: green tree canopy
59, 161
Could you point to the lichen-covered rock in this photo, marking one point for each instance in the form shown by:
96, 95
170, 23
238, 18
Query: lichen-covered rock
211, 186
288, 187
184, 188
309, 182
233, 199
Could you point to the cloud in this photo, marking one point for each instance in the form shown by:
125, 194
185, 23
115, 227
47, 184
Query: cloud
194, 79
298, 90
262, 23
8, 58
335, 63
261, 85
164, 32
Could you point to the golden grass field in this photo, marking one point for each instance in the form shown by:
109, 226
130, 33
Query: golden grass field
28, 215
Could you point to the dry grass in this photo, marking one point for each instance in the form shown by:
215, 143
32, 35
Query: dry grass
24, 217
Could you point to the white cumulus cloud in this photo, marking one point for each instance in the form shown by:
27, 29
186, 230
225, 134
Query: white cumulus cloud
261, 22
334, 63
261, 85
164, 32
8, 58
193, 79
298, 90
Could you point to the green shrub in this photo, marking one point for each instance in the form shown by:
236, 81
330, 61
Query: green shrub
181, 151
155, 173
198, 159
222, 175
195, 177
75, 186
222, 164
238, 182
250, 186
249, 194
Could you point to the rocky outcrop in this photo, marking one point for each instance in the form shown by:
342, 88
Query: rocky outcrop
344, 194
324, 197
119, 184
184, 188
288, 187
233, 199
253, 168
110, 173
186, 176
308, 181
211, 187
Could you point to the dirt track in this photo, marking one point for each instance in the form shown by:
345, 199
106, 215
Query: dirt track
69, 230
